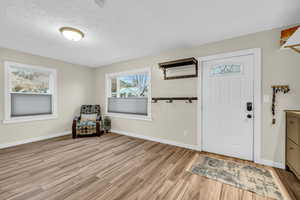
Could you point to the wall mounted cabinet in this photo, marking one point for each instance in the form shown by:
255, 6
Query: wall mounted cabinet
177, 69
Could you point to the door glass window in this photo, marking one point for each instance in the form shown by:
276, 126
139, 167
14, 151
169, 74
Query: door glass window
221, 69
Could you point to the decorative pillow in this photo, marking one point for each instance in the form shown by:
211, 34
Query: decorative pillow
88, 117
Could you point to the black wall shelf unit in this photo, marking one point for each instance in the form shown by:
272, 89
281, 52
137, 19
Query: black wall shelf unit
179, 63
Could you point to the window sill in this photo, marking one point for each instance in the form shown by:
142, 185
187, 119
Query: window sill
29, 119
128, 116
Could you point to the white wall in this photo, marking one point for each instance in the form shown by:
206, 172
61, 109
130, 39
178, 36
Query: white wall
75, 87
177, 121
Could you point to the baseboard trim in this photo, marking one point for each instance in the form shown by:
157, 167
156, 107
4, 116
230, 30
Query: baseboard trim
36, 139
159, 140
271, 163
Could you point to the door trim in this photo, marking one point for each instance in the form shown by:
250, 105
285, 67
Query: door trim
257, 87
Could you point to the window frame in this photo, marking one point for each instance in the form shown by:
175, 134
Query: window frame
7, 93
109, 76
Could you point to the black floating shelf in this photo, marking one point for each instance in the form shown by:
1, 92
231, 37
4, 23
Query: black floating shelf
171, 99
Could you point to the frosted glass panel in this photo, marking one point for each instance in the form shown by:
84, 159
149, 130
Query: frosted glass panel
30, 104
137, 106
226, 69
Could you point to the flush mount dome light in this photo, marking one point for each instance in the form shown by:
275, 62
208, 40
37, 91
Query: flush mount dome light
72, 33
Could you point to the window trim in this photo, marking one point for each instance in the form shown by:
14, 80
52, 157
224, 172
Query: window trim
7, 97
108, 77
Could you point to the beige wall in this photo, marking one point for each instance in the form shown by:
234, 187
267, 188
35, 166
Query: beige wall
177, 121
75, 87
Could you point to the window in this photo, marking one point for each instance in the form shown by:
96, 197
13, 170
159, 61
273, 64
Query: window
222, 69
30, 93
128, 94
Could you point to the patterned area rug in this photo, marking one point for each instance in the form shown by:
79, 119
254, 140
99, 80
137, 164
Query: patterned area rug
246, 177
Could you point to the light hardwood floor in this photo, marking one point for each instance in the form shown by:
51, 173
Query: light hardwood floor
111, 167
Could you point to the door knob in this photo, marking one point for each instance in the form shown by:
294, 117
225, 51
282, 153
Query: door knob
249, 116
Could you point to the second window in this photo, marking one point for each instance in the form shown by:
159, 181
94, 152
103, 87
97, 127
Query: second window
129, 94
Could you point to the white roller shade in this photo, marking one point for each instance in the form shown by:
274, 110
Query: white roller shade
137, 106
30, 104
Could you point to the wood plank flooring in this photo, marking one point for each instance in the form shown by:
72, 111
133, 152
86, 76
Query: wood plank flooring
112, 167
291, 183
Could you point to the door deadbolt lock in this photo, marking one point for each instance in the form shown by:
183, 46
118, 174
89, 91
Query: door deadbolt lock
249, 106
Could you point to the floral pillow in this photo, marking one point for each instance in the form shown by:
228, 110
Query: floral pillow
88, 117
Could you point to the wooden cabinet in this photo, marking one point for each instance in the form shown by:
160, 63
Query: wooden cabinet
293, 155
293, 129
293, 141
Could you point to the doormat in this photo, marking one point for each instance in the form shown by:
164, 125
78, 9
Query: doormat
243, 176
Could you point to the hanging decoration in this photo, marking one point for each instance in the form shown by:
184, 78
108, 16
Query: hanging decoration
276, 89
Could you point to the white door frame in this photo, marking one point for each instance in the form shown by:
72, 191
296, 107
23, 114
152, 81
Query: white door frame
257, 87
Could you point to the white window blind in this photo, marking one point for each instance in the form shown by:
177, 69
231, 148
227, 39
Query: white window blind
137, 106
30, 104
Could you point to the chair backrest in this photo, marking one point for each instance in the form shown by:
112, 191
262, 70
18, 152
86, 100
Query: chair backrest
90, 109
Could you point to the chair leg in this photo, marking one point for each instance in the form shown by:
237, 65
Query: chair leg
74, 129
73, 135
98, 131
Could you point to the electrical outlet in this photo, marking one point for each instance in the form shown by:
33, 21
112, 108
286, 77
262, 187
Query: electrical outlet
185, 133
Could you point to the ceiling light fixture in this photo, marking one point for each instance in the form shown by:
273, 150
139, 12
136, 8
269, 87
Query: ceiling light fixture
72, 33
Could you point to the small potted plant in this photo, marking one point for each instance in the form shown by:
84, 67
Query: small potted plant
106, 124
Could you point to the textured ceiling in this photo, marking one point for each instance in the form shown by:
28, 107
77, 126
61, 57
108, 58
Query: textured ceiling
126, 29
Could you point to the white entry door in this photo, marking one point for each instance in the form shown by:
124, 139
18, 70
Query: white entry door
227, 106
